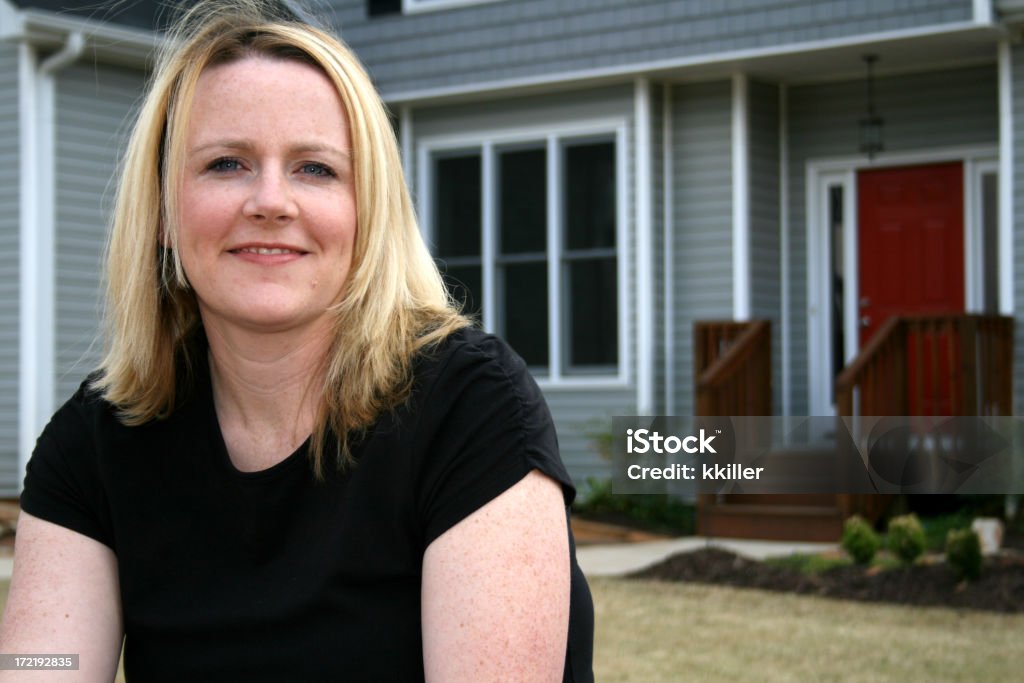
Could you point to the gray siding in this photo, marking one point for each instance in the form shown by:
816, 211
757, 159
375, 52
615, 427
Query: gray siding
657, 166
702, 218
10, 179
524, 39
766, 293
578, 413
92, 105
922, 111
1017, 67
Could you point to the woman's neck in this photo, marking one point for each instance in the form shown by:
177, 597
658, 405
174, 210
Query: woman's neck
266, 389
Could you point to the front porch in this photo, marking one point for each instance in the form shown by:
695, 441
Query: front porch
954, 364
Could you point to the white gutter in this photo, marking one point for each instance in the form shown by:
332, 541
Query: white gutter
37, 318
106, 40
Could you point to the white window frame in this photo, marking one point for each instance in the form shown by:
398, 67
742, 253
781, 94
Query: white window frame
554, 138
417, 6
974, 171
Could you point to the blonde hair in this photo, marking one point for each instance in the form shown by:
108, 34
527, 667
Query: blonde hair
394, 303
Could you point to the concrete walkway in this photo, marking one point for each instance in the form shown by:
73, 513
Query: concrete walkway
616, 559
622, 558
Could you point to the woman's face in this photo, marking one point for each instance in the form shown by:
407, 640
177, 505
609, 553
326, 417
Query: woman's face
268, 210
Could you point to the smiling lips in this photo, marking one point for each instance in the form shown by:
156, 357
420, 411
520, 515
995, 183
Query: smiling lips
268, 255
268, 251
265, 251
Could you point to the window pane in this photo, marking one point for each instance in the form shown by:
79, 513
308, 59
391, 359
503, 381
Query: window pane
465, 285
990, 228
457, 205
525, 301
523, 201
590, 195
593, 314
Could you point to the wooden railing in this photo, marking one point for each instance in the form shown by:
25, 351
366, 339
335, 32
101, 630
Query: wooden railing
733, 368
932, 365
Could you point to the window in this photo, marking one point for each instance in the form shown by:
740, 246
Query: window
526, 233
378, 8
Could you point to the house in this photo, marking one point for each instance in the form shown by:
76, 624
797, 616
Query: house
597, 178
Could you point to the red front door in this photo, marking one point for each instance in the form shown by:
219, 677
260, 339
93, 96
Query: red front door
911, 253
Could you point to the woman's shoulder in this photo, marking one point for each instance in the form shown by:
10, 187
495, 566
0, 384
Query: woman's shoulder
466, 349
86, 406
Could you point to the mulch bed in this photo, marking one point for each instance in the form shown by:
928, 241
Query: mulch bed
1000, 588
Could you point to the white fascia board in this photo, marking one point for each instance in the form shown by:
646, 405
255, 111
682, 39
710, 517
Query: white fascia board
10, 21
103, 39
724, 59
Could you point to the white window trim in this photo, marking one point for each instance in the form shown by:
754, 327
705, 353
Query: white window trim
417, 6
974, 253
554, 136
823, 172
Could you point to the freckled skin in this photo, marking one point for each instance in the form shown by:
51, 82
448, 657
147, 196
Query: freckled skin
280, 176
496, 590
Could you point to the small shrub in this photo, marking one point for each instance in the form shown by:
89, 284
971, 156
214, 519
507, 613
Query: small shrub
963, 553
906, 538
860, 540
809, 564
657, 512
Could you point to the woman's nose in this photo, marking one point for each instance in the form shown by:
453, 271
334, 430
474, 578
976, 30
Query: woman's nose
271, 198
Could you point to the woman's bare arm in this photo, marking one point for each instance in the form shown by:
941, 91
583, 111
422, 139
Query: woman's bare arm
64, 599
496, 590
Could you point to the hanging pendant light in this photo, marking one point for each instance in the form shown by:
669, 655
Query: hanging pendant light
871, 126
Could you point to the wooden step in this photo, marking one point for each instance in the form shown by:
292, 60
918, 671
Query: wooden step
770, 522
773, 499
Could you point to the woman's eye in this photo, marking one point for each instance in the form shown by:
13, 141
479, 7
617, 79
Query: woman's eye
226, 164
316, 170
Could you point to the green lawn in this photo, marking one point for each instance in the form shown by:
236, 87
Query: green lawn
649, 632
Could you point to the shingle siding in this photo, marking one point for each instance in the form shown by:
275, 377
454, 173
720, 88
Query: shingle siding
93, 104
10, 183
524, 39
765, 274
1017, 71
702, 208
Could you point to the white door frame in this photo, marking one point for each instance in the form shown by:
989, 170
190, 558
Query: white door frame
822, 174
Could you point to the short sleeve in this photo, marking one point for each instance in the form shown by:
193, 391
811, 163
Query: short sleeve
488, 427
62, 482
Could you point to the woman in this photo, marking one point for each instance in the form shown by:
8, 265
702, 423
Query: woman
296, 461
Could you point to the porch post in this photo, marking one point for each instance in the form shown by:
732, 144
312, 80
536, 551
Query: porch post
644, 249
740, 198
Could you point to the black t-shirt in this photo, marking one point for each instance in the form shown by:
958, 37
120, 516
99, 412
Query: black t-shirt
271, 575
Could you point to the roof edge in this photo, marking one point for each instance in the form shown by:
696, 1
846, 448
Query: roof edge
106, 41
455, 93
